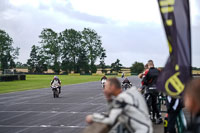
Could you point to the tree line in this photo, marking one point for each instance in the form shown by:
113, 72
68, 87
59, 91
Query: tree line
69, 50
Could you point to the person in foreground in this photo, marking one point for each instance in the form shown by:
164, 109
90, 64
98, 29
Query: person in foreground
192, 104
128, 108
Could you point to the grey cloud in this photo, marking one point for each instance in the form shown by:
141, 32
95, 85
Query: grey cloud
136, 38
134, 42
43, 7
4, 4
140, 42
197, 4
69, 11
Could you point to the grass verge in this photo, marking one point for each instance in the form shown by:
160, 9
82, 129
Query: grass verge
43, 81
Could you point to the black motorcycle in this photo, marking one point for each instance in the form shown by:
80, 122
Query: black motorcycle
126, 86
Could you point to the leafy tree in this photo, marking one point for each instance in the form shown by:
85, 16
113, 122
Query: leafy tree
66, 65
137, 67
32, 62
102, 62
195, 68
83, 62
70, 40
116, 66
7, 52
37, 62
94, 47
20, 65
51, 47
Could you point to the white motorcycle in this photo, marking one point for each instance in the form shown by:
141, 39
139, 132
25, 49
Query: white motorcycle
55, 89
103, 81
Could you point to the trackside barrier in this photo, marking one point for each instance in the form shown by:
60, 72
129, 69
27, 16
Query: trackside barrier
97, 128
161, 100
121, 129
181, 122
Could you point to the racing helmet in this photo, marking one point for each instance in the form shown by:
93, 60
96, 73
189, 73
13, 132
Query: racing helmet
55, 77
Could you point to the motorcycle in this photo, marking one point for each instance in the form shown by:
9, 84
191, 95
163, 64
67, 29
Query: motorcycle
55, 89
103, 81
126, 86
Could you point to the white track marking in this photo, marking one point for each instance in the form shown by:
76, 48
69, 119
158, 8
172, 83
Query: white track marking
56, 103
53, 112
43, 126
23, 113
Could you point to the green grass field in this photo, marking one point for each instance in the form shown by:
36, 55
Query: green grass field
43, 81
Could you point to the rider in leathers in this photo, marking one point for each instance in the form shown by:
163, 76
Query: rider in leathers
128, 108
126, 81
56, 81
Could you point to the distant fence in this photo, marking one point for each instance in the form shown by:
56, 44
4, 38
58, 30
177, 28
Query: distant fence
111, 74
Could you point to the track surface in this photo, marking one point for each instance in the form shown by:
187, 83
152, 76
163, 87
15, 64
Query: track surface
36, 111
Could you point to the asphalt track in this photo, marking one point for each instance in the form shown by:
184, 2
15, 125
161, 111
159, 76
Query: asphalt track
36, 111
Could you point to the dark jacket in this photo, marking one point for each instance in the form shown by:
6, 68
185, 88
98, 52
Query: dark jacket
194, 127
150, 77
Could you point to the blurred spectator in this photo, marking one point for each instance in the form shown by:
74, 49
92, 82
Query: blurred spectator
141, 74
127, 108
192, 104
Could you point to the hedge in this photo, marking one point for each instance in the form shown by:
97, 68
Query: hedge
85, 73
12, 77
134, 73
111, 73
74, 74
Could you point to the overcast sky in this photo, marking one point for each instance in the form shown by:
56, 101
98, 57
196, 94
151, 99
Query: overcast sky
131, 30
